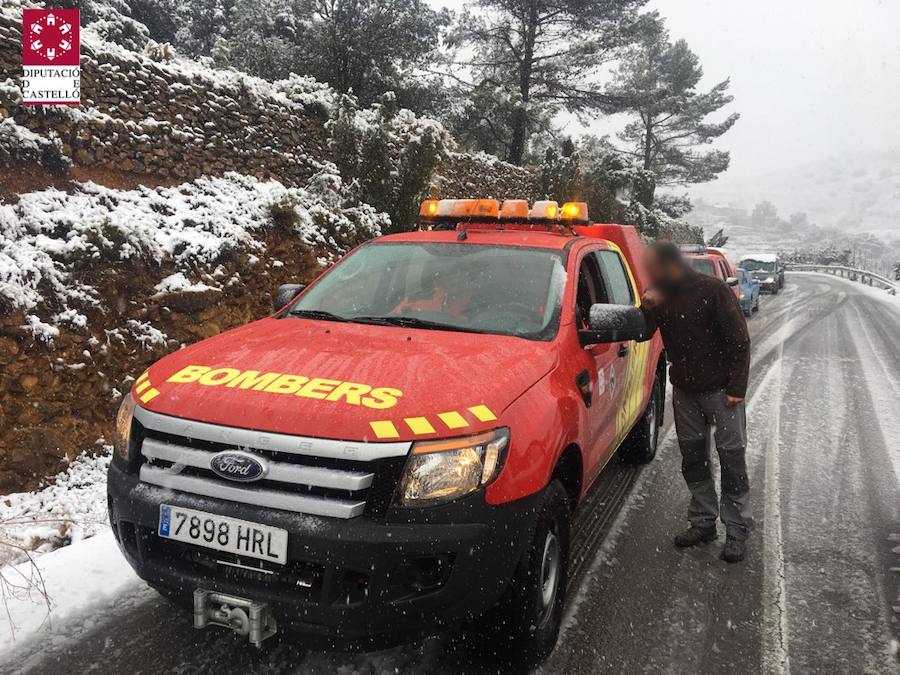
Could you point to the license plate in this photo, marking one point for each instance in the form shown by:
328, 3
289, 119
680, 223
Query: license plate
223, 534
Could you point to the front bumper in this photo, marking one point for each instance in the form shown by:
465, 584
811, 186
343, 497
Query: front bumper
348, 584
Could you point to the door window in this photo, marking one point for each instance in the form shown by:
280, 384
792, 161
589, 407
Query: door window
724, 268
616, 278
590, 290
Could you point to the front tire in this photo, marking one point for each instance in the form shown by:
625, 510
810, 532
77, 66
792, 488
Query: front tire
522, 630
639, 447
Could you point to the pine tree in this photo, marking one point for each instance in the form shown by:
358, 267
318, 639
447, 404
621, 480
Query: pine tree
658, 79
386, 156
262, 38
371, 47
532, 59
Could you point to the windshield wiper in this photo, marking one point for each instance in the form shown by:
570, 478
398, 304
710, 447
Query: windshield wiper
413, 322
317, 314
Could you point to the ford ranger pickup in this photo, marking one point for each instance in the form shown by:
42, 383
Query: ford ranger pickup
401, 446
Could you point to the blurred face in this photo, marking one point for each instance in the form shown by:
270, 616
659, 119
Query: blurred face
664, 274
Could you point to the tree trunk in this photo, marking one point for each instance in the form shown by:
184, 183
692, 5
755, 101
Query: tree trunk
520, 121
648, 145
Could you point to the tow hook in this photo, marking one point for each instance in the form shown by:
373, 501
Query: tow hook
253, 620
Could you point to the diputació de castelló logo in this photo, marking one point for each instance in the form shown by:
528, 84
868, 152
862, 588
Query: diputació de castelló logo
51, 56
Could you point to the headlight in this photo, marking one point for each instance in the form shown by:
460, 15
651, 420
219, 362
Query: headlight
122, 440
439, 471
743, 296
769, 280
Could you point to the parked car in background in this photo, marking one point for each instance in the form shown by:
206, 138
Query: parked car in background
713, 262
749, 292
767, 268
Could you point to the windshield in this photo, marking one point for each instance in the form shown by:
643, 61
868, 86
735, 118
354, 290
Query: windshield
702, 265
488, 289
758, 266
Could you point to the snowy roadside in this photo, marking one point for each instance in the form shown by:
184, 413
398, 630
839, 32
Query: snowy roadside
43, 578
70, 508
62, 586
877, 293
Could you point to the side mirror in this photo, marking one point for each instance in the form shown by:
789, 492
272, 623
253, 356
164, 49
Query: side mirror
732, 281
614, 323
284, 294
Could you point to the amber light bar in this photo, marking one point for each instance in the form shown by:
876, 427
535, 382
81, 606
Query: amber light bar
512, 210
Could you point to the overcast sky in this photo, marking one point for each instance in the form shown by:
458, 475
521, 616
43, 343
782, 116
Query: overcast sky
811, 78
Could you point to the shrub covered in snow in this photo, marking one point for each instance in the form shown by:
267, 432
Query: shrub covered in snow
307, 92
389, 156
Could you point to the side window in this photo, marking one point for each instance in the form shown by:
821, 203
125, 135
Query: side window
590, 290
616, 278
724, 269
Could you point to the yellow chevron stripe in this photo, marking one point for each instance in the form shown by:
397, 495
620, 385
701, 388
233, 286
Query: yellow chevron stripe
419, 425
453, 420
142, 385
483, 413
143, 376
384, 429
149, 395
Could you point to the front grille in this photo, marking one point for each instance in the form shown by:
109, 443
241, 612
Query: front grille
305, 475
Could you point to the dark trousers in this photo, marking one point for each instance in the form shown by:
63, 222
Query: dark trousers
694, 414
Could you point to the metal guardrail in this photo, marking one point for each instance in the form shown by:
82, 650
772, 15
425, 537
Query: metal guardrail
863, 276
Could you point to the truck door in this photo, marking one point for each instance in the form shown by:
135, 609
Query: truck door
603, 367
630, 366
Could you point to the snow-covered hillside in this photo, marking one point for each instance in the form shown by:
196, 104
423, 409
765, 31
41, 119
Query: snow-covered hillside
856, 192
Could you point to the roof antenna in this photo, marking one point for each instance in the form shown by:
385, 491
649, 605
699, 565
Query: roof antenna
462, 236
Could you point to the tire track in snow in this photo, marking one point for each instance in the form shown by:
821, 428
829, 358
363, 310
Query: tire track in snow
775, 654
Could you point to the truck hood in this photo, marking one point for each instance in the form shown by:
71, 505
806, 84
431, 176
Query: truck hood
346, 381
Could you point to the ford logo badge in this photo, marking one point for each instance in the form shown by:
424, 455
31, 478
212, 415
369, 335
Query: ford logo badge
238, 466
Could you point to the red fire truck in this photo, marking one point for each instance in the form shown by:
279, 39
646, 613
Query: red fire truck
402, 445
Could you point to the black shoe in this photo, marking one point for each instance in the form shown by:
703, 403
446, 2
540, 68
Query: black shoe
734, 551
695, 535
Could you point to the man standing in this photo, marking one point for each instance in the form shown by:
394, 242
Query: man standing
706, 341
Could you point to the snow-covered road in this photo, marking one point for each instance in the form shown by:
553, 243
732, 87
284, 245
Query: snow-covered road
815, 595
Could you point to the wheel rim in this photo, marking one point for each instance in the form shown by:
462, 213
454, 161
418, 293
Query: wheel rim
550, 565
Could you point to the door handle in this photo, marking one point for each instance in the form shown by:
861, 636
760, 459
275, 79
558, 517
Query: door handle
623, 350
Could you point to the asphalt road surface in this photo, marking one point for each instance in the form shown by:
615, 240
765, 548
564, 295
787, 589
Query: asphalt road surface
817, 593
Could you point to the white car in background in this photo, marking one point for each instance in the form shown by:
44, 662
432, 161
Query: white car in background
766, 268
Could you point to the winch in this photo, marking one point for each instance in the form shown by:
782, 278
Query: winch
254, 620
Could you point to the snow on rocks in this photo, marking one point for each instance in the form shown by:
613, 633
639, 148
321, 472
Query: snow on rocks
19, 144
46, 234
178, 283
